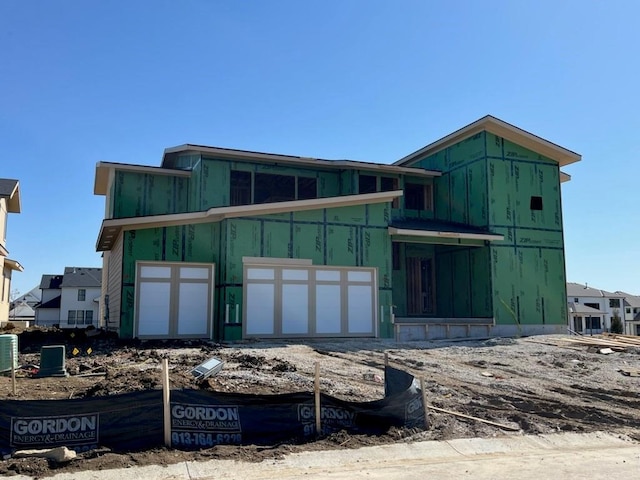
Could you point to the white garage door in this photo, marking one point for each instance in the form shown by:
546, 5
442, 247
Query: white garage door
309, 301
174, 300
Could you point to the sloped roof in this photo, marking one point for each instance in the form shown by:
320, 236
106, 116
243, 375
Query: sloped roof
10, 189
81, 277
53, 303
579, 290
630, 300
502, 129
578, 308
49, 282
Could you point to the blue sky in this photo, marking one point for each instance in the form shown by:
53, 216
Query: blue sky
85, 81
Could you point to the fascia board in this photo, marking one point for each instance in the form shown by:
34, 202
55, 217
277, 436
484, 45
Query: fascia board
502, 129
111, 228
440, 234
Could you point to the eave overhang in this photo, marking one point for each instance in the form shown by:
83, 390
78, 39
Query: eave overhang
502, 129
13, 265
111, 228
405, 232
104, 170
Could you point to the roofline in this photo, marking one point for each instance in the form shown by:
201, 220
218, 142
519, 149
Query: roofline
503, 129
103, 170
13, 265
111, 228
444, 234
13, 199
233, 154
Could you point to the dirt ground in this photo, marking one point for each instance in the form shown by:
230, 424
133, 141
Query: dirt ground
532, 385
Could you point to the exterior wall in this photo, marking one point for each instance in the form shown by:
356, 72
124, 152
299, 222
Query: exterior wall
112, 285
47, 317
138, 194
5, 290
488, 182
49, 294
3, 221
69, 301
346, 236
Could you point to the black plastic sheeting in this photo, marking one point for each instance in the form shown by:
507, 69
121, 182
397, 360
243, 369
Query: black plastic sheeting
201, 419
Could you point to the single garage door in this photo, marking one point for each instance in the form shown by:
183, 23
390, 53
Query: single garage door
309, 301
174, 300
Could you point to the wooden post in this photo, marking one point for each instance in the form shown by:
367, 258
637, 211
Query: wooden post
424, 404
386, 359
166, 402
13, 371
317, 399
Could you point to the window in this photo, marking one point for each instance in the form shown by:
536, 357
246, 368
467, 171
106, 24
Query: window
240, 188
307, 188
536, 202
576, 300
614, 303
79, 317
628, 310
88, 317
593, 323
395, 253
417, 196
389, 184
71, 317
270, 187
82, 294
593, 305
367, 184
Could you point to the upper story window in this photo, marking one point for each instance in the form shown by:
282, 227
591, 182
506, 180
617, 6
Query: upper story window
307, 188
367, 184
82, 294
417, 196
270, 187
614, 303
240, 187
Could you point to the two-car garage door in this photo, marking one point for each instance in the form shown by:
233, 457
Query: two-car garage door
313, 301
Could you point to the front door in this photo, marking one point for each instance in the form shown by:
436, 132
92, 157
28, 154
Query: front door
420, 276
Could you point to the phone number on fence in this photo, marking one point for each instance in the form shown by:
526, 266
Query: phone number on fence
200, 439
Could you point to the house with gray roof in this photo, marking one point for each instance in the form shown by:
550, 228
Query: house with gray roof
631, 313
71, 300
9, 203
605, 305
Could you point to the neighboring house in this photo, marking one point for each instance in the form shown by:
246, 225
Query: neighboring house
48, 312
9, 203
22, 309
631, 313
461, 238
607, 305
584, 319
71, 300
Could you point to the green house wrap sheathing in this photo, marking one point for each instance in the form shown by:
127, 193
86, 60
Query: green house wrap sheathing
489, 182
345, 236
141, 194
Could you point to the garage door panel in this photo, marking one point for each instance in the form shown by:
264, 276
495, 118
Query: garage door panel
154, 307
360, 316
260, 309
193, 310
295, 309
328, 309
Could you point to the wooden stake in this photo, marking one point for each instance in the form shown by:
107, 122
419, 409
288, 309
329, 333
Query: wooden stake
13, 372
506, 427
424, 403
317, 398
386, 359
166, 402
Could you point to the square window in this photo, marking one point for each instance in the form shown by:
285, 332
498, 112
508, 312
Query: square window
417, 196
367, 184
271, 188
307, 188
536, 202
